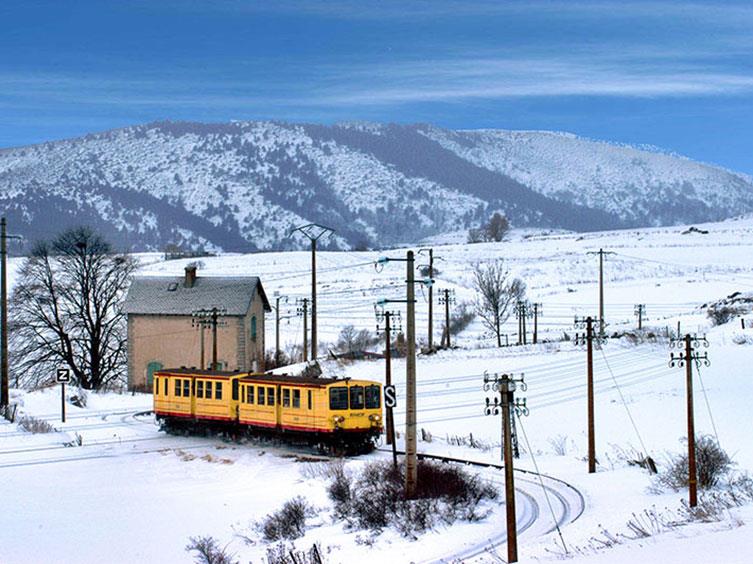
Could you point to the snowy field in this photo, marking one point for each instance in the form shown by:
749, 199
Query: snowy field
108, 486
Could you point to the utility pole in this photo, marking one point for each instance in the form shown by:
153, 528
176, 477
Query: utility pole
314, 232
277, 328
303, 310
4, 384
601, 253
387, 317
411, 461
521, 310
431, 296
686, 358
536, 312
447, 298
210, 316
588, 338
640, 311
411, 458
506, 385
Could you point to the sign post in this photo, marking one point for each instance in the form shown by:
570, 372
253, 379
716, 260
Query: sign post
63, 376
390, 401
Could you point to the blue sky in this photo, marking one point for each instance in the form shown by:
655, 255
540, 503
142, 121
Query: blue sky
678, 75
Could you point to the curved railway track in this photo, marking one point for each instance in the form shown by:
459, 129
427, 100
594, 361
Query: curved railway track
566, 500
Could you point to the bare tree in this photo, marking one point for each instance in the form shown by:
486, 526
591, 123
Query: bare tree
497, 227
497, 294
351, 339
65, 311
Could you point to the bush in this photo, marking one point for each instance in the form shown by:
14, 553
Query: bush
339, 490
289, 522
284, 554
712, 463
208, 551
31, 424
375, 499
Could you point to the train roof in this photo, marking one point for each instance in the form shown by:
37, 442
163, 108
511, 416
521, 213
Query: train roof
255, 377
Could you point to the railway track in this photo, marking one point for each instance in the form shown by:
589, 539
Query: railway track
566, 500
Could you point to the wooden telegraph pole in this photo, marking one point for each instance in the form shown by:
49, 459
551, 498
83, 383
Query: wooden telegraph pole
588, 338
411, 458
387, 317
303, 310
506, 403
640, 311
601, 253
4, 396
314, 232
447, 298
210, 317
686, 358
536, 313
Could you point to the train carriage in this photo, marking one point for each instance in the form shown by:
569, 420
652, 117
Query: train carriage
342, 414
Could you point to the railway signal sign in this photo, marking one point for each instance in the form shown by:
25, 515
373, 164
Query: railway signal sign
63, 376
390, 396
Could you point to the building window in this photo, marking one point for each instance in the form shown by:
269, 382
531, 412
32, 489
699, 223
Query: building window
253, 328
151, 368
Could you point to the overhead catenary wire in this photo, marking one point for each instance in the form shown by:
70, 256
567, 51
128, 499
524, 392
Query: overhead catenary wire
541, 480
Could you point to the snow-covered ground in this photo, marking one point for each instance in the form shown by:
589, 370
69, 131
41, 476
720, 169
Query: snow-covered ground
124, 492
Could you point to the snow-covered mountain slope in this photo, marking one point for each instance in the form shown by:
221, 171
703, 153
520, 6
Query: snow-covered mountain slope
642, 186
244, 185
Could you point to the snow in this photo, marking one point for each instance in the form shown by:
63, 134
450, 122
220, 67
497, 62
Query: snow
130, 493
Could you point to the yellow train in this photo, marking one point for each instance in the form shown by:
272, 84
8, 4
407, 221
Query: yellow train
343, 415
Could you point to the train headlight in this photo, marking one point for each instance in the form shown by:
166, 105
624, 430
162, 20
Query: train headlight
338, 418
375, 418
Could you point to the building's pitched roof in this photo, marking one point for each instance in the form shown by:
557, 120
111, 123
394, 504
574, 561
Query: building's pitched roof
166, 295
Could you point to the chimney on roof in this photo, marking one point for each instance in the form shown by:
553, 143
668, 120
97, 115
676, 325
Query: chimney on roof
190, 278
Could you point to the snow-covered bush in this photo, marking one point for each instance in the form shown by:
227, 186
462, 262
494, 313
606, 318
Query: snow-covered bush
287, 523
712, 464
208, 551
31, 424
287, 554
376, 498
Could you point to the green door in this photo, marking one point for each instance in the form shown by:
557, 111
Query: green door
151, 368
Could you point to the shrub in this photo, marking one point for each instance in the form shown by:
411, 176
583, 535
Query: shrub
375, 499
208, 551
286, 554
31, 424
339, 490
712, 463
287, 523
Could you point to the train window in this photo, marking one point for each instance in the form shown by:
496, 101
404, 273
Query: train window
249, 394
372, 397
285, 397
297, 399
235, 390
309, 393
270, 396
356, 397
177, 387
261, 395
186, 388
200, 388
338, 398
156, 386
209, 390
165, 379
218, 390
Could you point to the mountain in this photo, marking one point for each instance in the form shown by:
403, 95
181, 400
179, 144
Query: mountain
243, 186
